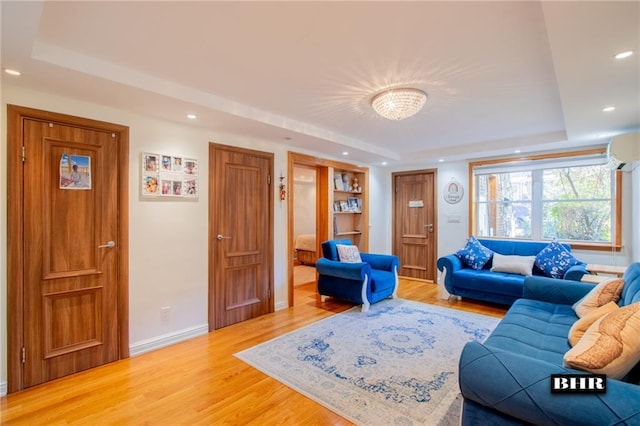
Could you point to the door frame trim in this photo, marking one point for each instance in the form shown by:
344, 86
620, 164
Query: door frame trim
15, 230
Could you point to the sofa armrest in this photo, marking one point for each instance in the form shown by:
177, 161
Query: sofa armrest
448, 265
385, 262
576, 272
554, 290
349, 271
519, 386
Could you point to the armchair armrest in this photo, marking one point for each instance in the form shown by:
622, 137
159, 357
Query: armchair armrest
349, 271
576, 272
519, 386
563, 292
385, 262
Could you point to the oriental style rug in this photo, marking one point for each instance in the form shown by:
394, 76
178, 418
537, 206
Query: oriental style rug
394, 365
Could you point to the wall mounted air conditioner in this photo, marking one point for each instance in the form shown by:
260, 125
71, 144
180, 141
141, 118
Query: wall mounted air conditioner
623, 150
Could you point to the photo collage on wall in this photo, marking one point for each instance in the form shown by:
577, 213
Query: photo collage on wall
169, 176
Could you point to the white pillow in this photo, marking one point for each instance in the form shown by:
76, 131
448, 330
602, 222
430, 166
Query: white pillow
522, 265
348, 254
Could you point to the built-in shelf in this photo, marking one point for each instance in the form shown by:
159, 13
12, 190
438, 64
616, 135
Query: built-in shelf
348, 204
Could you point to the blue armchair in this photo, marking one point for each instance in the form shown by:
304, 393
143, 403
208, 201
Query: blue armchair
374, 279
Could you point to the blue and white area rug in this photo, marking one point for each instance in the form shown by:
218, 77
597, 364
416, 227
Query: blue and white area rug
394, 365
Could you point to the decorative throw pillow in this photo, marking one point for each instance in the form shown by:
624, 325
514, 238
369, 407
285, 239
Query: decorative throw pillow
603, 293
580, 327
522, 265
348, 254
555, 260
474, 254
610, 346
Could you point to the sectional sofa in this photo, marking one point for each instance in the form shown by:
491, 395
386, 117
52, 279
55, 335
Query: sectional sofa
506, 380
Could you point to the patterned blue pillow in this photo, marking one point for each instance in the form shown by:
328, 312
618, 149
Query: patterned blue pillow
555, 260
474, 254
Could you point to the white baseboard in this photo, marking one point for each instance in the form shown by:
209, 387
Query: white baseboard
149, 345
3, 388
281, 305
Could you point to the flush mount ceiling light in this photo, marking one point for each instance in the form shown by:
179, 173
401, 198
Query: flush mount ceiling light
398, 104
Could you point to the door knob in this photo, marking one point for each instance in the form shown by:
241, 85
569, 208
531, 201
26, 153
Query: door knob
429, 227
220, 237
110, 244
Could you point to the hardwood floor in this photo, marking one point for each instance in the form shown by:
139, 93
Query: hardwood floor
199, 381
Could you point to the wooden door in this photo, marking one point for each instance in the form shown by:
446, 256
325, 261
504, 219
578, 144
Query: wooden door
241, 235
71, 242
415, 228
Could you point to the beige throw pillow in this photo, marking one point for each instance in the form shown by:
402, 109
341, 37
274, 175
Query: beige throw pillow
603, 293
521, 265
611, 345
580, 327
348, 254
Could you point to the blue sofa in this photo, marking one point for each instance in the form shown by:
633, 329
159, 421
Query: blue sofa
506, 380
371, 281
497, 287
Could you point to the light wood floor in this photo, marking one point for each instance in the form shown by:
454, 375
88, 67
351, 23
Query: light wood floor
198, 381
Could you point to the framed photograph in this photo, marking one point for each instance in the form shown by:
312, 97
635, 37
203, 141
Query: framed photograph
355, 204
344, 206
337, 182
168, 176
336, 206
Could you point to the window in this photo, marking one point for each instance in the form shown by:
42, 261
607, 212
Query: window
572, 197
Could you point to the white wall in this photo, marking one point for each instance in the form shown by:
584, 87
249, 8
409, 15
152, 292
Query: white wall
304, 208
379, 210
635, 213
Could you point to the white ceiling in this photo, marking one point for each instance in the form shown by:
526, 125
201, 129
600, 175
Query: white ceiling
500, 76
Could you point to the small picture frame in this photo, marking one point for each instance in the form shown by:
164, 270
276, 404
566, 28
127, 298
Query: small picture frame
355, 204
337, 182
344, 206
336, 206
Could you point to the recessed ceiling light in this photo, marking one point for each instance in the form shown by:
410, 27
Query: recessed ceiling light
441, 160
517, 151
608, 109
623, 55
384, 163
192, 116
345, 153
12, 72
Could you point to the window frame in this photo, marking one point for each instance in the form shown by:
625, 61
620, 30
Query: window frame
616, 239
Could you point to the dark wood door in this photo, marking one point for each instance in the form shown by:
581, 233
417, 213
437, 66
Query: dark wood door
414, 232
70, 242
241, 235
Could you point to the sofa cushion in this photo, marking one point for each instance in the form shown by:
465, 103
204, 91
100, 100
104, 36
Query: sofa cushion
490, 282
582, 325
382, 280
535, 329
474, 254
554, 260
521, 265
603, 293
348, 253
611, 345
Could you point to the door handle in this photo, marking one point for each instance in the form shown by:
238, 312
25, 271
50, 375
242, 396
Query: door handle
220, 237
110, 244
429, 227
